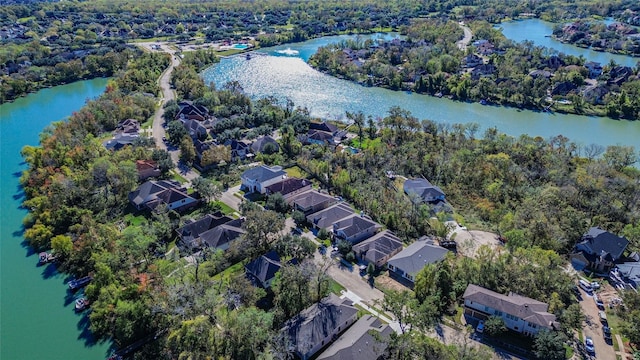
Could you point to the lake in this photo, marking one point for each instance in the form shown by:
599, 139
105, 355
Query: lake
36, 312
282, 72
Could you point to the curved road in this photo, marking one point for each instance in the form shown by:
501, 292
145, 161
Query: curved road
462, 44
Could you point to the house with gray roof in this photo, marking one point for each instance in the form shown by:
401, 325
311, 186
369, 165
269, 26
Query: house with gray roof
519, 313
421, 190
599, 250
289, 187
407, 263
317, 326
195, 128
265, 143
324, 219
379, 248
630, 272
120, 140
190, 233
367, 339
221, 236
258, 178
153, 193
355, 228
323, 126
239, 149
263, 269
311, 201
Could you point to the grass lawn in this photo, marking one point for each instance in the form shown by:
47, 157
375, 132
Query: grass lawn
229, 273
229, 52
226, 209
335, 288
296, 172
177, 177
134, 220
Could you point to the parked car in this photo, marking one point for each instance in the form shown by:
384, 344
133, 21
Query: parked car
588, 344
606, 331
598, 301
603, 317
480, 327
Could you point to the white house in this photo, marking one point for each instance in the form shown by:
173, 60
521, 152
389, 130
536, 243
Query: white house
521, 314
257, 179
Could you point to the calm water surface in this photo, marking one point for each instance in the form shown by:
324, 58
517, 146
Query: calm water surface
37, 320
289, 76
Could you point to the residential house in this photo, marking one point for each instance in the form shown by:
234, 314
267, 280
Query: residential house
324, 219
599, 250
421, 190
189, 234
554, 62
379, 248
119, 141
407, 263
265, 144
619, 74
595, 94
486, 49
153, 193
630, 272
595, 69
195, 128
563, 88
289, 187
540, 74
128, 126
147, 169
324, 126
311, 201
257, 179
367, 339
317, 326
223, 235
483, 70
355, 228
318, 137
263, 270
521, 314
190, 111
239, 149
471, 61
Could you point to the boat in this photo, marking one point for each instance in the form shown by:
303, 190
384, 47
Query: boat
248, 56
44, 258
78, 283
483, 102
438, 94
81, 304
288, 51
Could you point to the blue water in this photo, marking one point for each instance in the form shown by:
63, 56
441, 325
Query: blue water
282, 73
240, 46
539, 32
37, 320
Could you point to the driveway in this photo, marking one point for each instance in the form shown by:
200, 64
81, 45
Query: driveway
593, 328
462, 44
228, 198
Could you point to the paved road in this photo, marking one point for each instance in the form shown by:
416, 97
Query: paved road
593, 328
462, 44
228, 198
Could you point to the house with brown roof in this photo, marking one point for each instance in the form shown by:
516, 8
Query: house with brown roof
151, 194
325, 218
147, 169
311, 201
215, 230
519, 313
289, 187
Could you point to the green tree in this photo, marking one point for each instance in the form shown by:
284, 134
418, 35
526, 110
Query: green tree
187, 150
61, 245
494, 326
549, 345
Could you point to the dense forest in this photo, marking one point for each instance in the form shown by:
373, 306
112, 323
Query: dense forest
50, 43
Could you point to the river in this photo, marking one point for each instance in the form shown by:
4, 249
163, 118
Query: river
37, 320
282, 72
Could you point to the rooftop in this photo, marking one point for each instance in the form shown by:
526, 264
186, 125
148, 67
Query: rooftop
417, 255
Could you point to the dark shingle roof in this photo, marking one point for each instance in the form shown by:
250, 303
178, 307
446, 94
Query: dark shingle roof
378, 246
605, 244
265, 267
365, 340
324, 126
525, 308
288, 186
354, 225
422, 188
222, 234
310, 199
207, 222
324, 219
260, 143
315, 323
417, 255
263, 173
148, 191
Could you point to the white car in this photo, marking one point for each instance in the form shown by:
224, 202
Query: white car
480, 327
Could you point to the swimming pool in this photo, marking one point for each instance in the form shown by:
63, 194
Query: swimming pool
240, 46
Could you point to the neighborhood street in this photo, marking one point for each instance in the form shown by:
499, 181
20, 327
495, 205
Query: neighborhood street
592, 327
